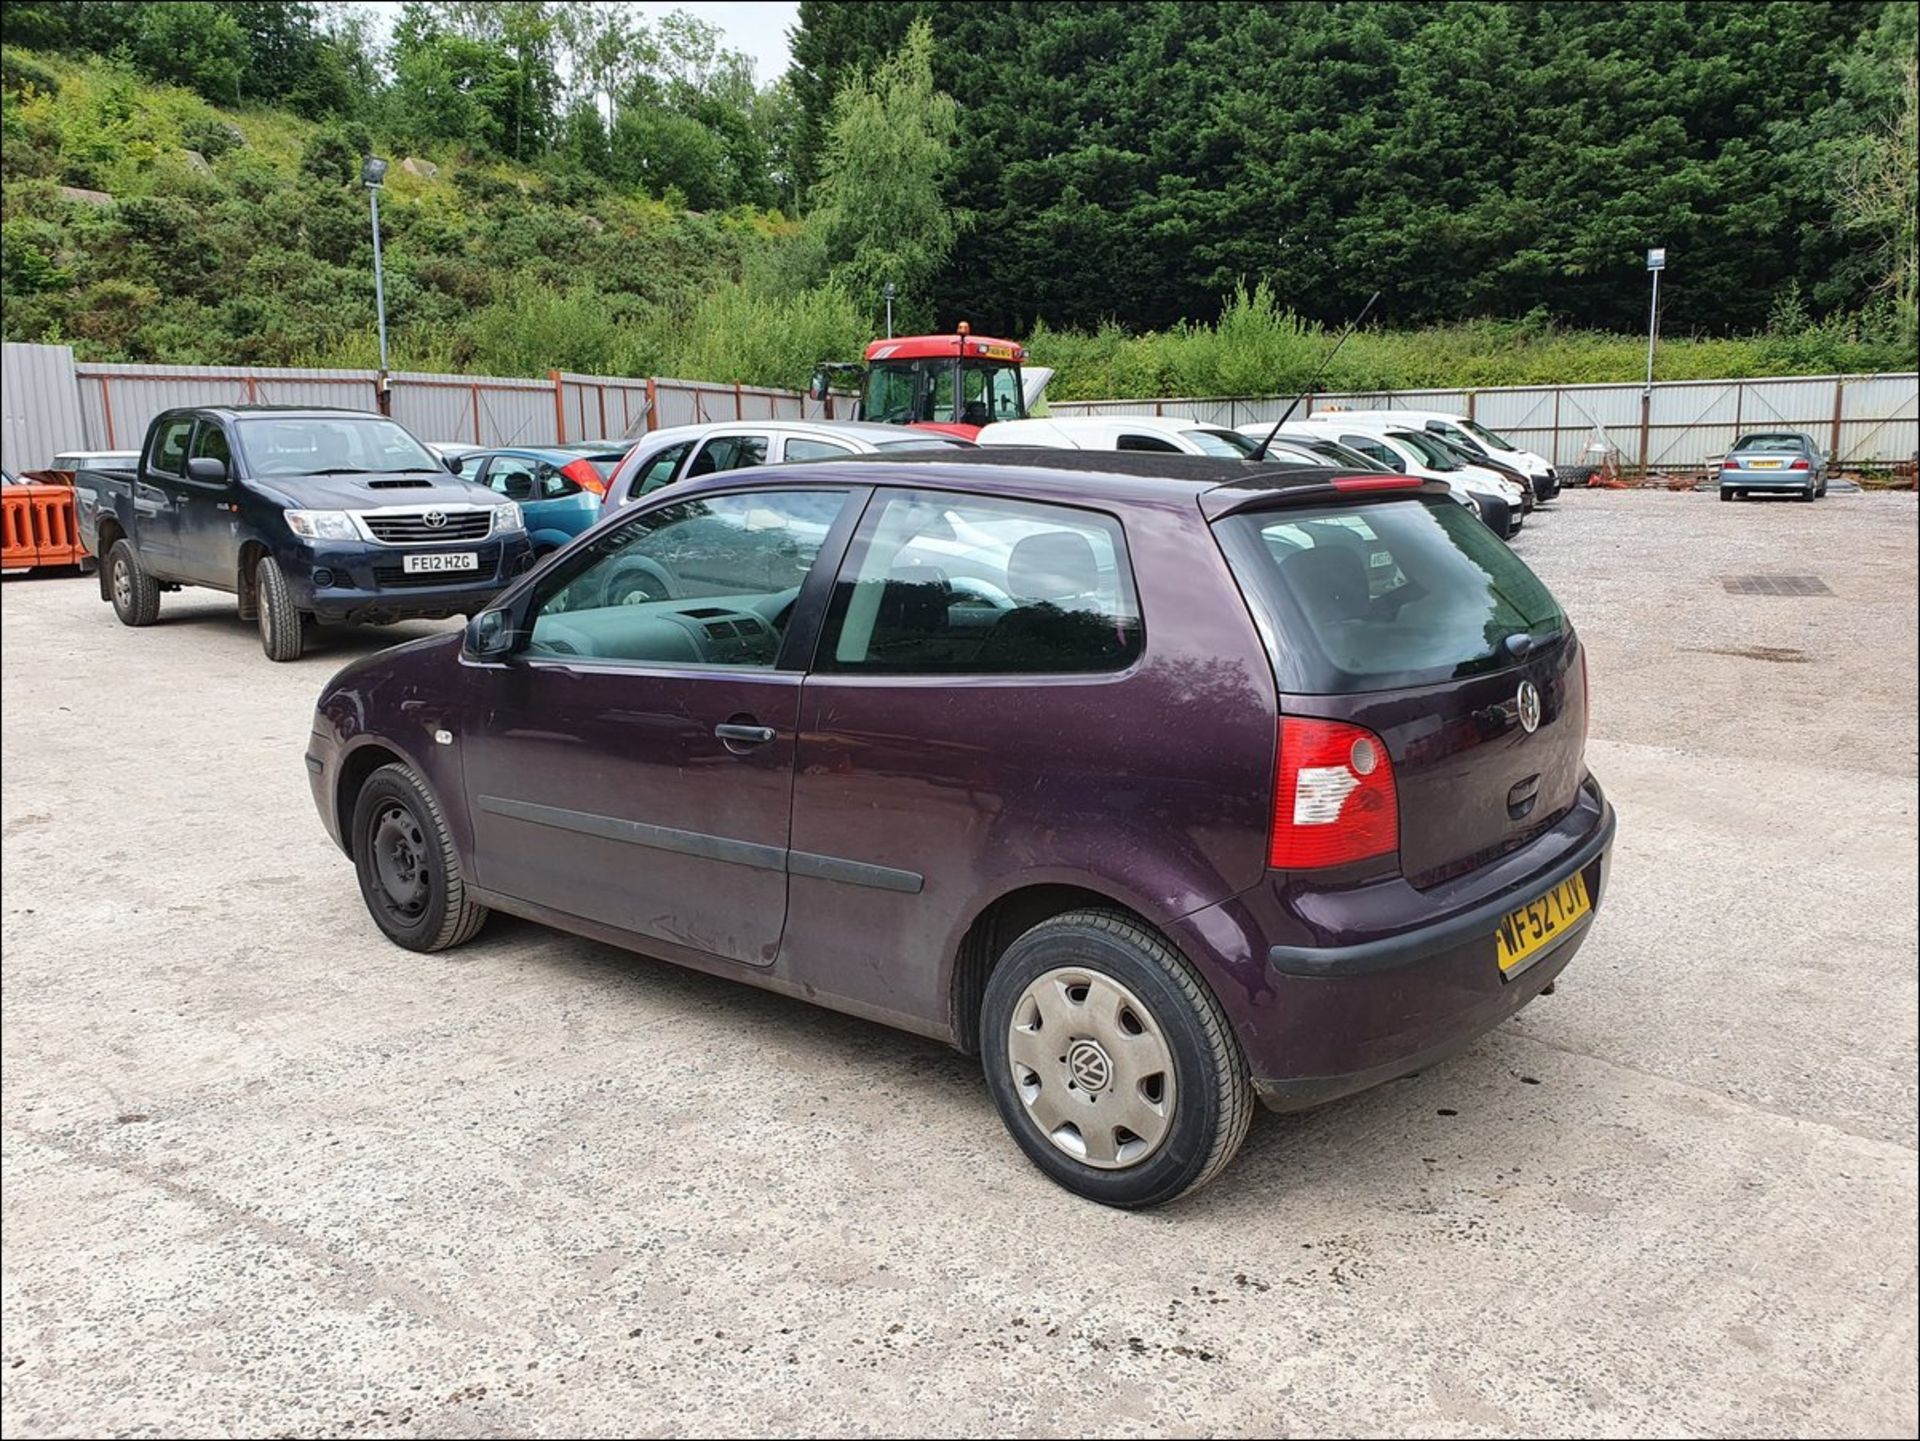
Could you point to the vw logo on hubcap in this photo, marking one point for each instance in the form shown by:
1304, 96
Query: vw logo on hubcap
435, 518
1089, 1065
1529, 703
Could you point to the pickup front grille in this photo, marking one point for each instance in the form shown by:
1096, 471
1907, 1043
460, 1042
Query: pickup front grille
416, 527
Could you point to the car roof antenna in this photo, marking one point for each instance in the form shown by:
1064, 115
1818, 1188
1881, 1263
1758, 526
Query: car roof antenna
1261, 453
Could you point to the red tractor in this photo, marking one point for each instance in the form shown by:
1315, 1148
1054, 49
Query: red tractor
950, 383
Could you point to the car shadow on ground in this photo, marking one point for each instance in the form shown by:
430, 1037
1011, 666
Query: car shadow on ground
1272, 1161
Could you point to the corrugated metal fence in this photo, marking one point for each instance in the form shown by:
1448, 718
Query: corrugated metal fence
1864, 419
52, 403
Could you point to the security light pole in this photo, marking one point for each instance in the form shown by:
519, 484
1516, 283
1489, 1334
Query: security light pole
373, 171
888, 292
1656, 262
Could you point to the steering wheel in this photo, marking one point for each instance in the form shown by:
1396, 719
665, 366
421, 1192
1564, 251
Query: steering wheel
966, 587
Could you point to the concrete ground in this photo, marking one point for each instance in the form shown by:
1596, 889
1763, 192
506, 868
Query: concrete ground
266, 1174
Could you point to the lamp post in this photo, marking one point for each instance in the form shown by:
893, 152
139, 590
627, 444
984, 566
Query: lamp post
373, 171
1656, 262
888, 292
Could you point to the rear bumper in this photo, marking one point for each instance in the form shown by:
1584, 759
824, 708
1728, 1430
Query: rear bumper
353, 583
1767, 479
1319, 1020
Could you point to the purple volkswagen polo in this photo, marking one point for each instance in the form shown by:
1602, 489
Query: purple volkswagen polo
1162, 783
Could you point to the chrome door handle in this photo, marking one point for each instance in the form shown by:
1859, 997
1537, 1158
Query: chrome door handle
744, 735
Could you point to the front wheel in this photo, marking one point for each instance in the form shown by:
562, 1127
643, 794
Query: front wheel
409, 871
282, 633
136, 595
1111, 1062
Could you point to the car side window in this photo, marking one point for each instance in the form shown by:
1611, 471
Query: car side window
1374, 450
944, 584
729, 452
800, 448
468, 467
512, 476
658, 471
1151, 443
554, 485
701, 582
170, 446
210, 442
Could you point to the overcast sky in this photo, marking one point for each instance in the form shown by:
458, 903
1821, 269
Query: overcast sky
757, 27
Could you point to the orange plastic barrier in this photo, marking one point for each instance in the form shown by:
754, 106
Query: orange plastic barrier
38, 527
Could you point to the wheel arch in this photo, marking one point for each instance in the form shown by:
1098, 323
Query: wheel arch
246, 578
358, 764
107, 533
1003, 921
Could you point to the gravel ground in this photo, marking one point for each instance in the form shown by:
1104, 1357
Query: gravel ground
265, 1174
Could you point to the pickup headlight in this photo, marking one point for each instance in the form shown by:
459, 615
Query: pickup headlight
321, 524
507, 518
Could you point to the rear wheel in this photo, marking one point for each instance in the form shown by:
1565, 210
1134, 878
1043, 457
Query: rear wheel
408, 869
1111, 1062
136, 595
1808, 493
282, 631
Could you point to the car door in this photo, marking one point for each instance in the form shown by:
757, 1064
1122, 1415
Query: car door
159, 497
206, 525
631, 763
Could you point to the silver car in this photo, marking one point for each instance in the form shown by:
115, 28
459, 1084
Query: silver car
682, 452
1783, 461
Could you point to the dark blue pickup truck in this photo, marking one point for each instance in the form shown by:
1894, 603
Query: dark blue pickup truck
304, 514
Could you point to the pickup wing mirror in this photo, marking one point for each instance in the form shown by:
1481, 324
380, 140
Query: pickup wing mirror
818, 386
209, 469
451, 462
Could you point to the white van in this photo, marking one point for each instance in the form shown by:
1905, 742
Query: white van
1469, 435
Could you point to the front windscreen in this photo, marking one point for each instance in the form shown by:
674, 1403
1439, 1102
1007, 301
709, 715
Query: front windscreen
1498, 442
941, 391
1227, 443
1384, 595
331, 445
1432, 453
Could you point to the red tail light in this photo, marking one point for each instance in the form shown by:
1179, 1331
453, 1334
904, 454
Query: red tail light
582, 474
1334, 799
1800, 465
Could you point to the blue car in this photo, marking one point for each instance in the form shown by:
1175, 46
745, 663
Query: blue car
558, 486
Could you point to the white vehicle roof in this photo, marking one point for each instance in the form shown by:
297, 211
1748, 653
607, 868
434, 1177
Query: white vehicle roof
863, 436
1414, 419
1103, 432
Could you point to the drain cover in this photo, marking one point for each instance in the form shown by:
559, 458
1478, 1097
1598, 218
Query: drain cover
1775, 585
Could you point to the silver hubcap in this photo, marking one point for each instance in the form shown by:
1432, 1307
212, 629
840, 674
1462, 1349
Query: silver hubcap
1092, 1067
122, 585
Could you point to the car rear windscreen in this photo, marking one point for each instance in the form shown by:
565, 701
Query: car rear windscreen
1385, 595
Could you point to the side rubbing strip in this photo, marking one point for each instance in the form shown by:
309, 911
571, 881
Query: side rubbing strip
854, 873
659, 838
713, 848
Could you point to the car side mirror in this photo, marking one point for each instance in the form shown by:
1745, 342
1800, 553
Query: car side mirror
451, 462
490, 635
519, 487
818, 386
208, 469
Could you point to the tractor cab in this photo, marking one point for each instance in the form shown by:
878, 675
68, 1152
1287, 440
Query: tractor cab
954, 384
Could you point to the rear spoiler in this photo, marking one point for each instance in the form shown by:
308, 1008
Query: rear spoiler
1250, 494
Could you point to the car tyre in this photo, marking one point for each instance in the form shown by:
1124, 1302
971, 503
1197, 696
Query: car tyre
409, 871
1807, 495
135, 594
1093, 1006
283, 631
1729, 494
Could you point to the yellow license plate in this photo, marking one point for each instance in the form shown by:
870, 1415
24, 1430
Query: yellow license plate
1540, 922
1765, 464
998, 352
